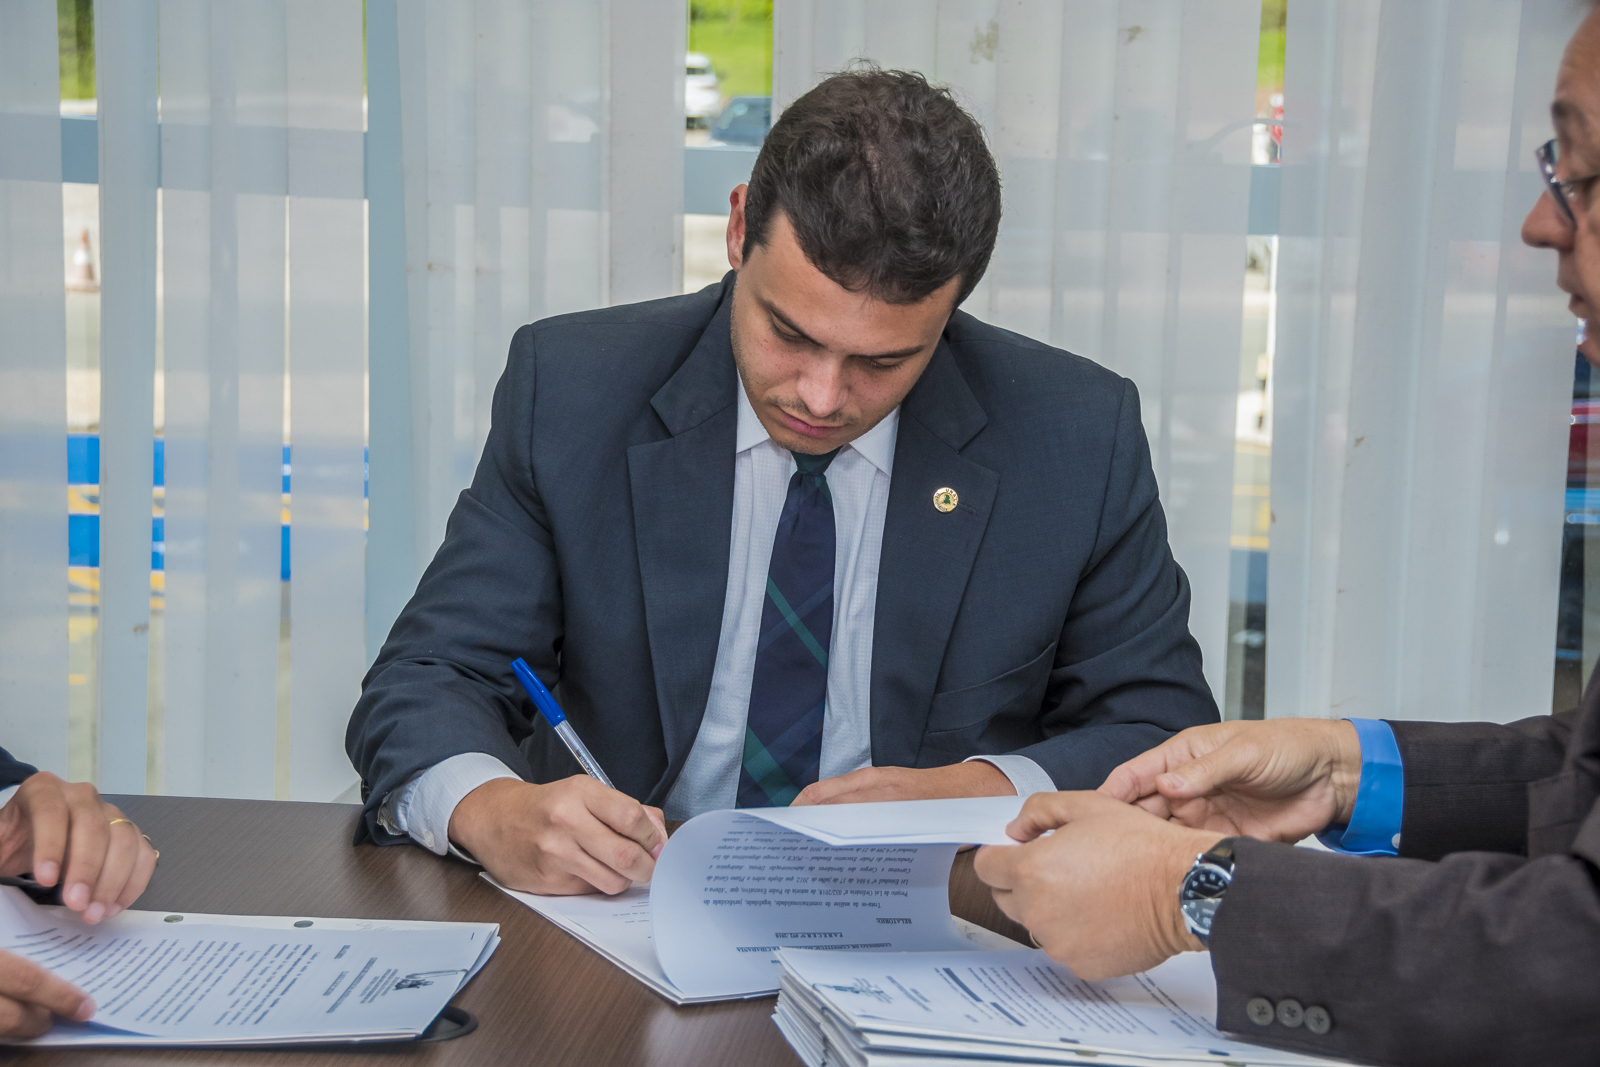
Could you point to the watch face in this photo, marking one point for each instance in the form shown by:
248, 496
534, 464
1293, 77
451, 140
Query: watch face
1201, 894
1197, 915
1205, 882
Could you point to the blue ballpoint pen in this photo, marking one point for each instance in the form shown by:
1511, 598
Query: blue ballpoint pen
558, 720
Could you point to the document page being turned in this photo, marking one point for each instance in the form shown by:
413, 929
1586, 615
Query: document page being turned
733, 887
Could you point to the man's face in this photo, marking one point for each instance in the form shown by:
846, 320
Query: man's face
821, 365
1576, 113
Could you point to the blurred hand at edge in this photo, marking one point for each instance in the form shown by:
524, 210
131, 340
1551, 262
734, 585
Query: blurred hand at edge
30, 995
49, 823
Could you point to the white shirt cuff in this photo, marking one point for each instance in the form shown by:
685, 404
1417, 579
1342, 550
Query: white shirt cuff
1026, 776
421, 808
7, 793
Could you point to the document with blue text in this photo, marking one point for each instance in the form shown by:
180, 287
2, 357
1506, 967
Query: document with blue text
159, 978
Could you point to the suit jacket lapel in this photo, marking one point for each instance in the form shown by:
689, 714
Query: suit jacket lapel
927, 554
682, 498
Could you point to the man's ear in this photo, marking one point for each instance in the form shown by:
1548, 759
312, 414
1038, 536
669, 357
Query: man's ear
736, 226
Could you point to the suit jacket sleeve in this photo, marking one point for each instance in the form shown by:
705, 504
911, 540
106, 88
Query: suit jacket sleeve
1480, 958
1127, 671
1467, 783
13, 771
442, 684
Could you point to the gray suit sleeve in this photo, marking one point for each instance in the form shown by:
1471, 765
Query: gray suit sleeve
1480, 958
442, 684
1467, 782
1127, 671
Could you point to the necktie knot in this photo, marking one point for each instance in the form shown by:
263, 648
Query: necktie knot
813, 466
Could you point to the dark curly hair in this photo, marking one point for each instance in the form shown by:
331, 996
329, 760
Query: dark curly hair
887, 182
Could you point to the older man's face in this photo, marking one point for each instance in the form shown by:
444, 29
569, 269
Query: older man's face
1576, 113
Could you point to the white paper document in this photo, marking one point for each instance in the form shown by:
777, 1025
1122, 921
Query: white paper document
733, 887
214, 980
616, 927
960, 821
890, 1008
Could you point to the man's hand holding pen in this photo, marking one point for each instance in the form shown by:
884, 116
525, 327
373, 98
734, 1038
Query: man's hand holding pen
571, 836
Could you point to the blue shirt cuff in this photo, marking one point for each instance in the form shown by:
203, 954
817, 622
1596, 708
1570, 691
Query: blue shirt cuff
1374, 828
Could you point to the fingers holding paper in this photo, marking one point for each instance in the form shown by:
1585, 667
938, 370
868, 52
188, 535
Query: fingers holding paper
29, 995
566, 837
1100, 893
64, 832
1277, 780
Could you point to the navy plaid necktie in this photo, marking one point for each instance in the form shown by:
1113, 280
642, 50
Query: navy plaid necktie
788, 694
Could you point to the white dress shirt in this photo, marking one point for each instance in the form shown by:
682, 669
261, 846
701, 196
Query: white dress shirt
858, 481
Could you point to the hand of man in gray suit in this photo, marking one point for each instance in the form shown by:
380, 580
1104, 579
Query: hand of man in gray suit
1100, 858
1277, 781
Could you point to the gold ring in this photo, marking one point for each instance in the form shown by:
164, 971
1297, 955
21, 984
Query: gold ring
1034, 938
114, 822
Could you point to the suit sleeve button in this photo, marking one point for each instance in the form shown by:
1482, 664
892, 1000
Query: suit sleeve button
1290, 1013
1259, 1011
1318, 1021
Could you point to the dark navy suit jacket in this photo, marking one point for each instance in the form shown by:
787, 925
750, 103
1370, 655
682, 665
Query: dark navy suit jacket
1044, 615
13, 771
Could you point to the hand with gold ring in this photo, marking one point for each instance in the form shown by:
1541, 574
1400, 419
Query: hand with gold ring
64, 832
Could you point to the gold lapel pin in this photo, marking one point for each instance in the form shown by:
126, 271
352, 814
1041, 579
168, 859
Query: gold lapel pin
945, 499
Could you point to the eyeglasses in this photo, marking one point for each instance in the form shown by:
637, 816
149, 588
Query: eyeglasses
1565, 191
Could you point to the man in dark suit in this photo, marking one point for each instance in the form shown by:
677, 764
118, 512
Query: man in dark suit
47, 825
1479, 944
810, 535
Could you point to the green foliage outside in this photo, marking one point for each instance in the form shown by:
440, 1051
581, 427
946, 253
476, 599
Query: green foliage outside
1269, 60
736, 35
75, 28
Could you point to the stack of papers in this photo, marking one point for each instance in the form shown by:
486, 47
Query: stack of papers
164, 979
732, 887
926, 1009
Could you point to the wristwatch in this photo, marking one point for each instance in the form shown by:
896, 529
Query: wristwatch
1203, 887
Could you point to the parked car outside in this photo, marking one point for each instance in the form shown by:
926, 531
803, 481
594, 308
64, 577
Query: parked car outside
702, 95
745, 121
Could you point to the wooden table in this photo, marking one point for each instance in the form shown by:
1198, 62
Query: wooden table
544, 1000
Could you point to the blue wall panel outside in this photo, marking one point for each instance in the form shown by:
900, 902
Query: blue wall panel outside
83, 528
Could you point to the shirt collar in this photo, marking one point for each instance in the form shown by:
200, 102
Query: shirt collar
876, 445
